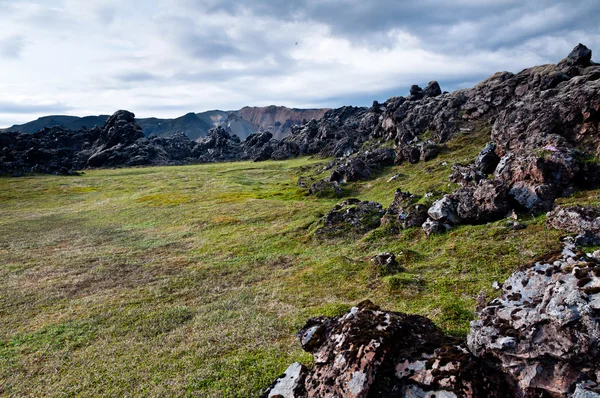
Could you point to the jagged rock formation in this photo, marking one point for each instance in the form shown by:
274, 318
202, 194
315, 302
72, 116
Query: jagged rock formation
544, 330
540, 338
119, 143
405, 212
373, 353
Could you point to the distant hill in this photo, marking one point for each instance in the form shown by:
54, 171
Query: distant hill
278, 119
248, 120
68, 122
190, 124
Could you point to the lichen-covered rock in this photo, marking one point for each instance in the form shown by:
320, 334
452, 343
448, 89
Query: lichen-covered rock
544, 330
432, 227
373, 353
445, 210
583, 221
466, 176
351, 216
290, 384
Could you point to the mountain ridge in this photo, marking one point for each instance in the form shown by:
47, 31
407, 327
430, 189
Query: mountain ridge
248, 120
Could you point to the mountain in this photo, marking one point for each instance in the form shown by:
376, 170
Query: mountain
67, 122
190, 124
248, 120
278, 119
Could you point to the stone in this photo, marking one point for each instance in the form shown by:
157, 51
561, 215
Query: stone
325, 189
542, 331
355, 169
432, 89
466, 176
416, 93
445, 210
386, 264
431, 227
580, 56
290, 384
487, 160
351, 217
579, 220
371, 352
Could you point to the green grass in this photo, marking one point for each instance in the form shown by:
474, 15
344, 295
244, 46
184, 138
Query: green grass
192, 280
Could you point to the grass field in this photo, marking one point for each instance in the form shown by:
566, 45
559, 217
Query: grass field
192, 280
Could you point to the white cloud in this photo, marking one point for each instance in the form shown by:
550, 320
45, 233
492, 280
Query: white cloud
165, 58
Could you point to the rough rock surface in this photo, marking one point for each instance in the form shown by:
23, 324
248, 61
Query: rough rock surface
583, 221
351, 216
386, 264
373, 353
325, 189
544, 330
405, 212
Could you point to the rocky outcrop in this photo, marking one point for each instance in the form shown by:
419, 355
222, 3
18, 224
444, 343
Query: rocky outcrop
487, 201
584, 222
544, 330
373, 353
386, 264
351, 217
405, 212
219, 145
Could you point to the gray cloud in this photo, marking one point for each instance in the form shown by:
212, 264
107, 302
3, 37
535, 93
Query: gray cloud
136, 77
12, 46
440, 24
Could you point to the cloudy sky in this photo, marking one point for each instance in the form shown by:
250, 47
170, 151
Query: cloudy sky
165, 58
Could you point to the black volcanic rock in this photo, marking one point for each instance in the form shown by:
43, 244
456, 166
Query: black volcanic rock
432, 90
580, 56
351, 216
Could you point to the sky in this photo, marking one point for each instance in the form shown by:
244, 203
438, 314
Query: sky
167, 58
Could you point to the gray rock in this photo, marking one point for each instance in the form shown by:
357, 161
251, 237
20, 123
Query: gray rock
542, 330
290, 384
445, 210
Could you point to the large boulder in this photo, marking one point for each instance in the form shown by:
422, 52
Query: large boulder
432, 90
355, 169
580, 56
373, 353
544, 329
